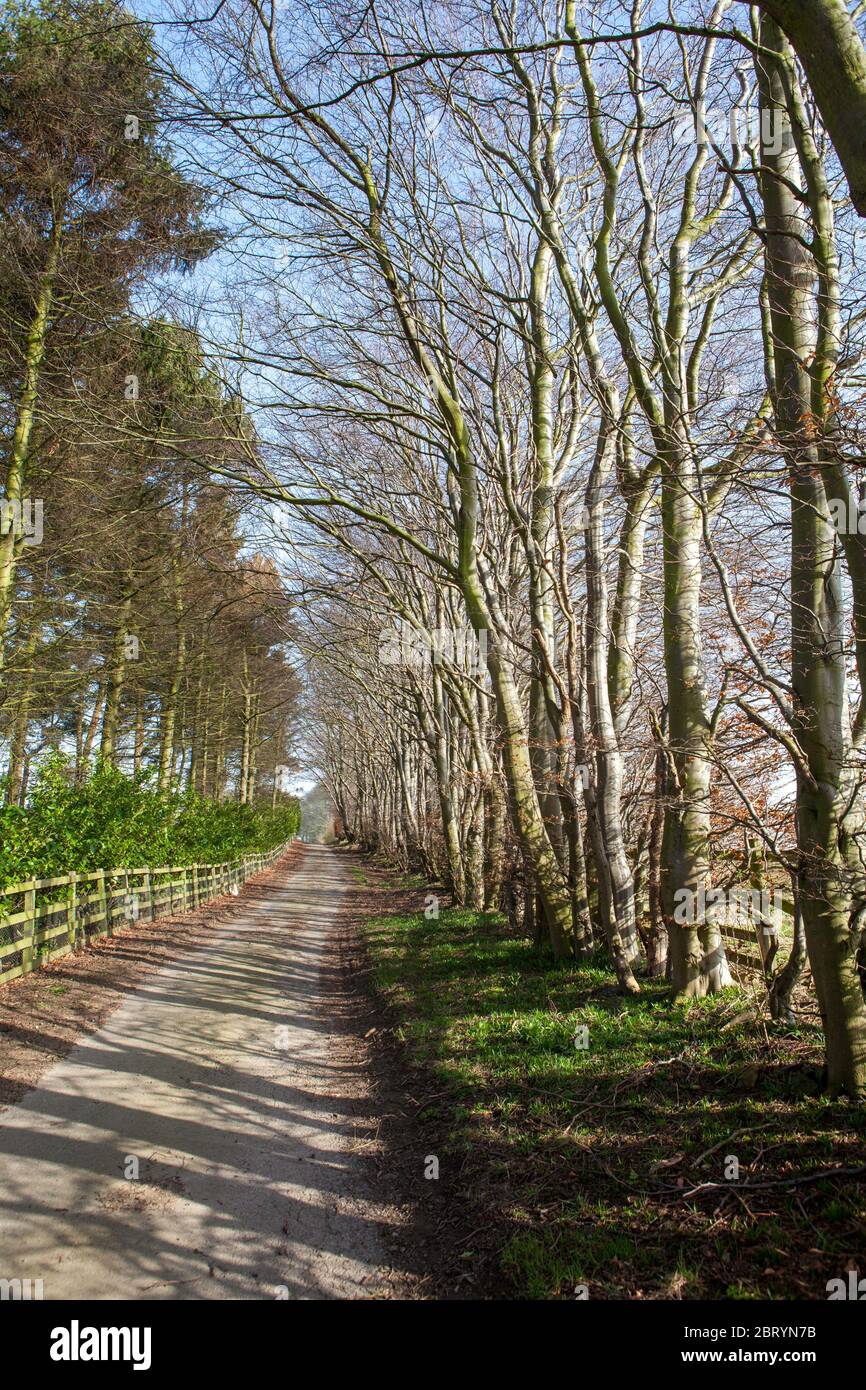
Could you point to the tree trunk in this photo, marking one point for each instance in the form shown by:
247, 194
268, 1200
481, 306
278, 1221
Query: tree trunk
657, 937
93, 725
21, 721
170, 705
439, 747
138, 742
19, 449
828, 45
115, 682
614, 871
820, 719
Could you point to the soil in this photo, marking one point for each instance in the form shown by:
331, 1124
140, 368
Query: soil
384, 1109
42, 1015
440, 1230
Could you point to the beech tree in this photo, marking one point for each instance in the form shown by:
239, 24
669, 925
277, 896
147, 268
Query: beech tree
524, 449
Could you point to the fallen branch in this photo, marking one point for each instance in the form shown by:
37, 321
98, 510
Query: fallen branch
824, 1174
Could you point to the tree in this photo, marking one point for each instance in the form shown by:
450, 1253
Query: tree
91, 200
825, 39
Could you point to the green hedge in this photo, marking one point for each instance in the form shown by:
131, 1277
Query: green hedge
114, 821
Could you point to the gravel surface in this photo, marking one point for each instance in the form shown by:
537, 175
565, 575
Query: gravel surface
207, 1138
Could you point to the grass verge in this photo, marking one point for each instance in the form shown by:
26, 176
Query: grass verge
622, 1148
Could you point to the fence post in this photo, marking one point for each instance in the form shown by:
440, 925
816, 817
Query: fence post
28, 951
72, 909
103, 901
198, 884
768, 945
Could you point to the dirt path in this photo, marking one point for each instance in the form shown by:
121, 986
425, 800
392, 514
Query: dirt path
223, 1078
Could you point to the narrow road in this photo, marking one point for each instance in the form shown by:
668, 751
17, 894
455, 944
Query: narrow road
218, 1083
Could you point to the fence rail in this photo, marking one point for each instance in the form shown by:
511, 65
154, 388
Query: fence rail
42, 919
755, 948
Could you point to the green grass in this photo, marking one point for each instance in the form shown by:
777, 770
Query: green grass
583, 1158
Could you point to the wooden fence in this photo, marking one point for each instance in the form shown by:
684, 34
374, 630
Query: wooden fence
45, 918
756, 947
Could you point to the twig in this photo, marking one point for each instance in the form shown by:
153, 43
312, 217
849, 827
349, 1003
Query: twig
747, 1129
822, 1175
